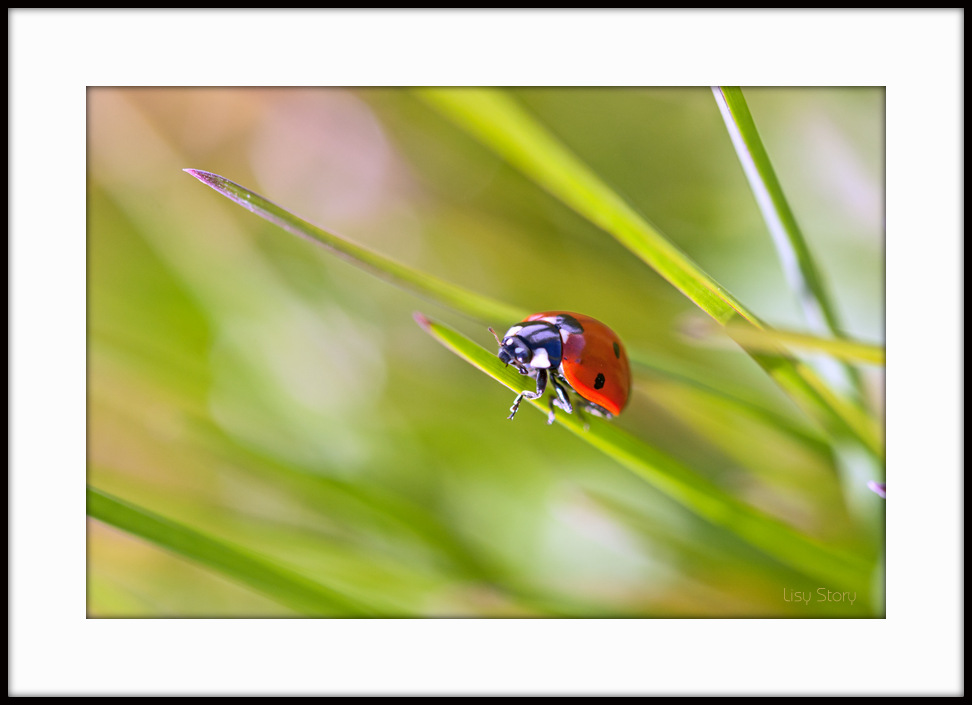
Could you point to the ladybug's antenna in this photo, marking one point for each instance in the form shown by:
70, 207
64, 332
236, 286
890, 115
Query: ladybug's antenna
498, 341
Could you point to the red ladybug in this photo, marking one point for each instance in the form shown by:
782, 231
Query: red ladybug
570, 350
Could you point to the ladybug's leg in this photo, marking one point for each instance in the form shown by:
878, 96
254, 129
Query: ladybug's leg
562, 400
591, 408
582, 416
541, 388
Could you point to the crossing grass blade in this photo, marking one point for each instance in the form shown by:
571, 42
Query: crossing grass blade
852, 351
301, 594
804, 278
776, 539
497, 121
794, 253
799, 267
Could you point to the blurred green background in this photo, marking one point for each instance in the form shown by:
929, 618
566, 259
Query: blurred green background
250, 385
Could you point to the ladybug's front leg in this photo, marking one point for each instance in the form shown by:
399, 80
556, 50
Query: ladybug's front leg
541, 387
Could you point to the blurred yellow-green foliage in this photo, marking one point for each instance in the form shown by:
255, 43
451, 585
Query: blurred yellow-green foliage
250, 385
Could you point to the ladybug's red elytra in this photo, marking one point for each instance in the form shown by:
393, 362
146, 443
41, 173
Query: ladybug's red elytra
573, 351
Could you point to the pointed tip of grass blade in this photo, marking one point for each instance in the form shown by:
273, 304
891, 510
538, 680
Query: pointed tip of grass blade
214, 181
209, 178
424, 323
233, 191
204, 176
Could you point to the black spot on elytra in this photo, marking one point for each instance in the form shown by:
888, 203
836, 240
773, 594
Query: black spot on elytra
617, 350
599, 380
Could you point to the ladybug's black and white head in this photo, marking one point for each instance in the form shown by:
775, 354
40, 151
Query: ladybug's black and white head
533, 345
515, 350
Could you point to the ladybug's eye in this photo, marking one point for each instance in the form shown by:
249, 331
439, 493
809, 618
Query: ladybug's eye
515, 351
522, 353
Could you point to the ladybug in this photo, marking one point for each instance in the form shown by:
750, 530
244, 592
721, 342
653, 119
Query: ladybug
571, 351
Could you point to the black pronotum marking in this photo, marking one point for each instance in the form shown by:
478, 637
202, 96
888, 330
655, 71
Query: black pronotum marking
537, 335
569, 324
617, 350
599, 380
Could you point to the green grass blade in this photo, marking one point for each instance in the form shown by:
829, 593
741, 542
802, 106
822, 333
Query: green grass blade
798, 265
773, 537
804, 279
771, 340
794, 254
301, 594
502, 125
480, 308
805, 436
497, 121
366, 505
475, 306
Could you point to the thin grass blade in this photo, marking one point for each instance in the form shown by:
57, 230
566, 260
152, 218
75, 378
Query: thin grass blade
852, 351
771, 536
476, 306
726, 393
804, 279
799, 267
301, 594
